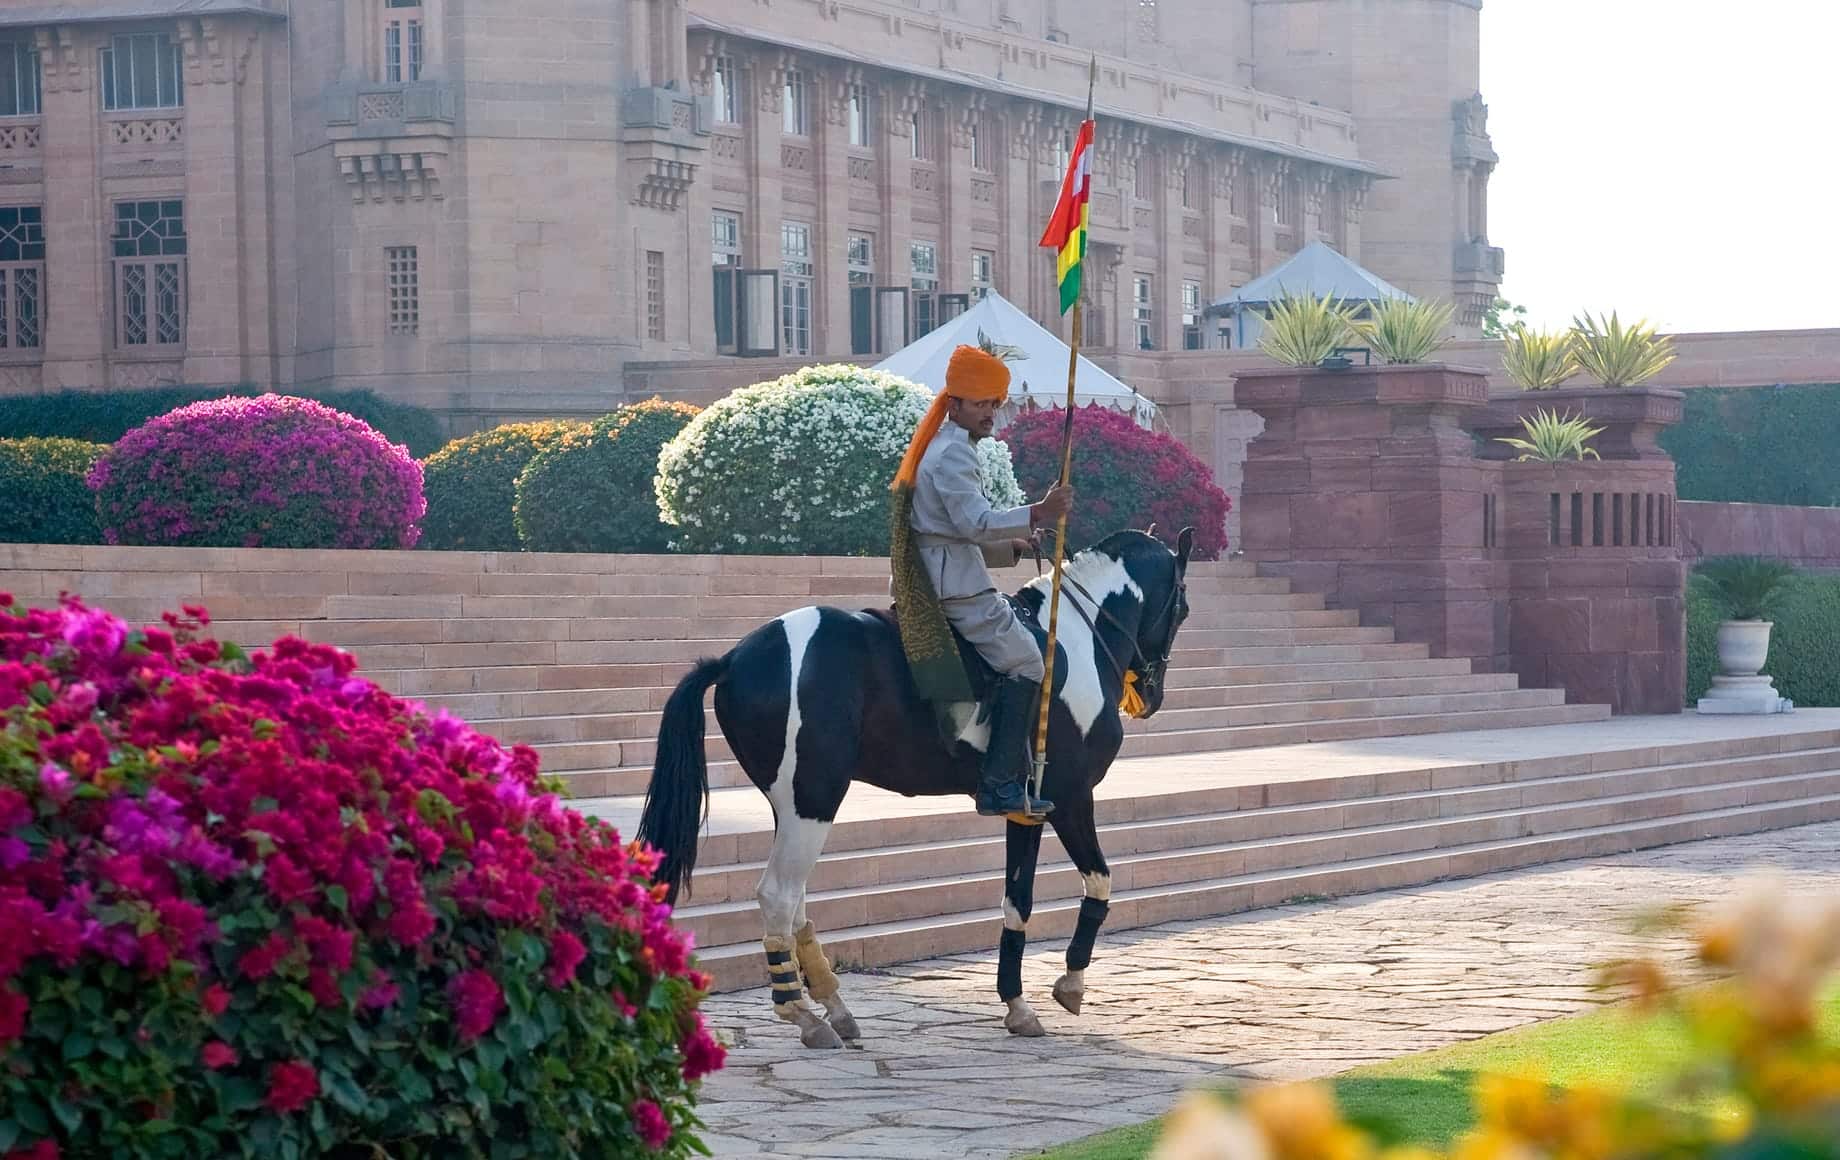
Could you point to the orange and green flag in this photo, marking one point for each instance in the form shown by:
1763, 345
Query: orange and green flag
1066, 232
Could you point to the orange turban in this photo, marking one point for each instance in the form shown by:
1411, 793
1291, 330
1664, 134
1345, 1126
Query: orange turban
974, 374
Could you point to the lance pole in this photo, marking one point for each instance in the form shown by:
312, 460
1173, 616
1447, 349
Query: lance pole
1040, 765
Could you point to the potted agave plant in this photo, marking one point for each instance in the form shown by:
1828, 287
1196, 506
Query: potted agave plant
1622, 357
1748, 587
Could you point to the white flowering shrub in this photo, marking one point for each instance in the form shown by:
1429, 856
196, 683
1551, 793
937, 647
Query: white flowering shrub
800, 466
998, 474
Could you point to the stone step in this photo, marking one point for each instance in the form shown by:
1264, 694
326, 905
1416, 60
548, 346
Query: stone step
740, 965
1257, 836
627, 763
967, 890
481, 706
356, 635
621, 725
526, 678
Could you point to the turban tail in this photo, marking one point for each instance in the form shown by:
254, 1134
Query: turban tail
926, 636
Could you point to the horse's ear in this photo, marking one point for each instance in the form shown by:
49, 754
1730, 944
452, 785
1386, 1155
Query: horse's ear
1151, 530
1185, 543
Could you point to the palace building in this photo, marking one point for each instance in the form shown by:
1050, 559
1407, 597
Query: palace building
461, 202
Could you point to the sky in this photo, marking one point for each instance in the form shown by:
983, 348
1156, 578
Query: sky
1677, 160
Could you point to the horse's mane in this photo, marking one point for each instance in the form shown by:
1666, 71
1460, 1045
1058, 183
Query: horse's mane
1126, 547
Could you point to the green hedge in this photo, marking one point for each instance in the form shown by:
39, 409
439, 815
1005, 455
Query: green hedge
1804, 645
1759, 445
592, 490
44, 498
105, 416
472, 484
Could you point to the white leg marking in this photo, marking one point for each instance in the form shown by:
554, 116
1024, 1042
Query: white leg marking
1098, 886
1012, 918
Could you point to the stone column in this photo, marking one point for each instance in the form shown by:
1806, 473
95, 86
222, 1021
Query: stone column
760, 226
1170, 272
78, 323
216, 54
1020, 261
830, 290
1364, 486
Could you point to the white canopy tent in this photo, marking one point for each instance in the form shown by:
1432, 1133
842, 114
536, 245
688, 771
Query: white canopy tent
1039, 377
1316, 271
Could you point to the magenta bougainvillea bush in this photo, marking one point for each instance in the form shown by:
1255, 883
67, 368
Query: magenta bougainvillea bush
269, 472
1123, 477
257, 907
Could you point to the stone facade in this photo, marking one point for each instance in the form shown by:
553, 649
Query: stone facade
492, 210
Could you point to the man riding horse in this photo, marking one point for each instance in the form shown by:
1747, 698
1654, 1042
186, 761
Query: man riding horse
957, 537
821, 698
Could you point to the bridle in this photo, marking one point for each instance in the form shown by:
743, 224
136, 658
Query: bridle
1150, 676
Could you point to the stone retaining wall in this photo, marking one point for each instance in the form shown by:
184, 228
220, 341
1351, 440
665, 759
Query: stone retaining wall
1806, 536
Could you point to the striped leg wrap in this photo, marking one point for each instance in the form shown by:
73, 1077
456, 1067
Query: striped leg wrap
1092, 916
819, 978
783, 973
1009, 963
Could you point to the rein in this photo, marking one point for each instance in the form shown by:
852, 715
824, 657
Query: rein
1152, 675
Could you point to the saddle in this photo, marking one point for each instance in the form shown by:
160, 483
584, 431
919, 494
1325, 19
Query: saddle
982, 677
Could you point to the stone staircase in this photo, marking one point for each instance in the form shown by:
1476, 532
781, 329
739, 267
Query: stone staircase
1204, 835
1298, 752
574, 655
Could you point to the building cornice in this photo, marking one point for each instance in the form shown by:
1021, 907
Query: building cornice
976, 82
102, 11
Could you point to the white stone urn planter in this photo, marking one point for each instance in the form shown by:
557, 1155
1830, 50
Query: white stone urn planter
1740, 687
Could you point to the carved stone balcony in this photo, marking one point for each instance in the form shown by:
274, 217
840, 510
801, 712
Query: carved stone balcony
664, 134
391, 142
22, 154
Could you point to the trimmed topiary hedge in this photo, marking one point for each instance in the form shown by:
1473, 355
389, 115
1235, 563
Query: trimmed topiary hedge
43, 496
471, 485
801, 465
1758, 445
260, 908
1123, 477
591, 491
105, 416
270, 472
1803, 645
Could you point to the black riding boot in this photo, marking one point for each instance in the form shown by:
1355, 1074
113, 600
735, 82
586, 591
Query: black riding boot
1015, 706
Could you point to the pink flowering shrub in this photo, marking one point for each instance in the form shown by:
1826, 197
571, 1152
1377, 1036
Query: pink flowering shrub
259, 907
1123, 477
270, 472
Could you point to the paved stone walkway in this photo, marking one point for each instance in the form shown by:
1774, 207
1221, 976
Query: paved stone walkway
1287, 993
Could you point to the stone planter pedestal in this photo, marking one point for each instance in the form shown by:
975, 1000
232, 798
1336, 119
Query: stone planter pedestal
1631, 418
1596, 583
1365, 486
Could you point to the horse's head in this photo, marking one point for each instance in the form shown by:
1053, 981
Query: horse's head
1161, 576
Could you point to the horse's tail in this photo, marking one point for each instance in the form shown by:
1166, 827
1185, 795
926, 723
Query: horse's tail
677, 800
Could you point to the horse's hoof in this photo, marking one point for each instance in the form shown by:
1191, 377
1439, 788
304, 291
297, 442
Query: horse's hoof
1067, 997
845, 1025
1027, 1026
820, 1035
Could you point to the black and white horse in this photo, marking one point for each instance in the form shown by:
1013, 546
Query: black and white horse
822, 697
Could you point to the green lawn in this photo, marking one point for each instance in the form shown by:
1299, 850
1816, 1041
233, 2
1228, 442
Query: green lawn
1425, 1098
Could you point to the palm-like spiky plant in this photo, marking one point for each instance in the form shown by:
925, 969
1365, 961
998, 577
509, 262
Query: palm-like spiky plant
1405, 330
1618, 355
1553, 438
1538, 360
1749, 585
1301, 331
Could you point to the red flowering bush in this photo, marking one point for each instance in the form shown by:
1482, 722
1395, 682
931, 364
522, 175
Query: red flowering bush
270, 472
1123, 477
258, 907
